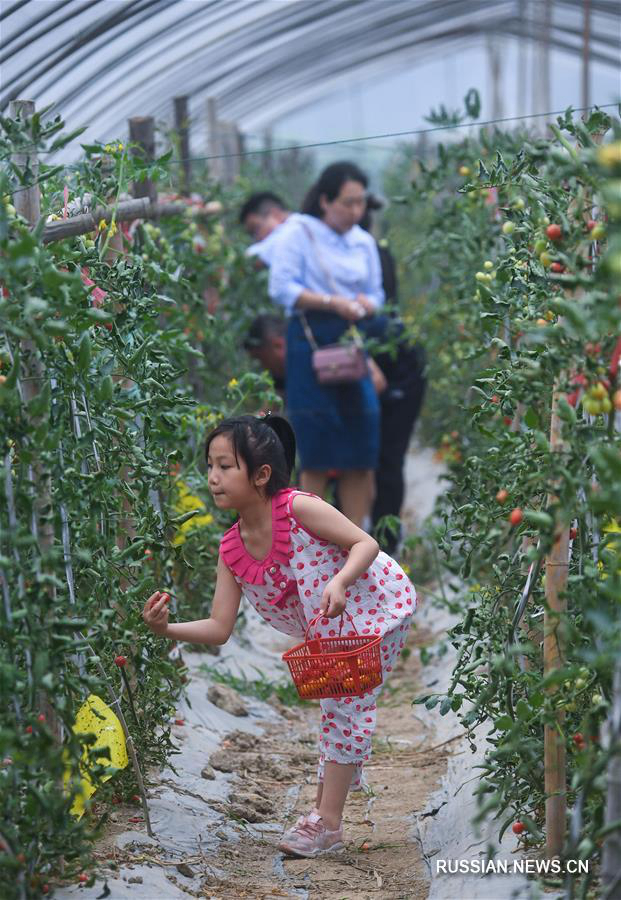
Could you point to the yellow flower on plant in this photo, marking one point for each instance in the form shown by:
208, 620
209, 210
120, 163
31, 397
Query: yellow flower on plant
113, 228
614, 546
609, 155
102, 225
233, 383
187, 502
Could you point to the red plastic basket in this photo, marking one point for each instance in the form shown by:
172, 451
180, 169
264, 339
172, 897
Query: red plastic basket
333, 667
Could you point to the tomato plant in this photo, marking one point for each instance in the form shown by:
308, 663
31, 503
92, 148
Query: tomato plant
543, 321
118, 351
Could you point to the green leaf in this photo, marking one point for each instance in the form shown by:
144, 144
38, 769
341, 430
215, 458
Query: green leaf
503, 723
523, 710
445, 706
84, 353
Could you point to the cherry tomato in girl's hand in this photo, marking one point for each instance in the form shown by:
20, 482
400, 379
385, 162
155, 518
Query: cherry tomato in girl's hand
159, 596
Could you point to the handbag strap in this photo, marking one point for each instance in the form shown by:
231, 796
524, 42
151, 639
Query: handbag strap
327, 274
310, 337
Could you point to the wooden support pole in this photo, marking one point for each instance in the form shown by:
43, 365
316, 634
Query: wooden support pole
214, 142
125, 211
267, 159
611, 857
586, 54
27, 201
556, 572
182, 127
142, 133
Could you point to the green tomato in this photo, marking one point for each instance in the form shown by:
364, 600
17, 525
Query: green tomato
598, 233
580, 683
481, 276
508, 228
488, 264
592, 406
540, 246
518, 203
545, 259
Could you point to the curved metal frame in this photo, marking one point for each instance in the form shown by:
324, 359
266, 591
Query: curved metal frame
261, 56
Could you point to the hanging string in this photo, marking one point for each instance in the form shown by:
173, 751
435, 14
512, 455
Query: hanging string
393, 134
372, 137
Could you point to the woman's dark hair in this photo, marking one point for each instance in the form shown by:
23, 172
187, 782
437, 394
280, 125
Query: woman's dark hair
329, 184
266, 441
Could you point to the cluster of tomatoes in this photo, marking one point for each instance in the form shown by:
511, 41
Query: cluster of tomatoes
335, 675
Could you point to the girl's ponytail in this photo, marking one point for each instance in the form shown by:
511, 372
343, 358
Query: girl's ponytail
286, 435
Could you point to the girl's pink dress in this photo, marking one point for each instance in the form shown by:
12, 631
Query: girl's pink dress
286, 589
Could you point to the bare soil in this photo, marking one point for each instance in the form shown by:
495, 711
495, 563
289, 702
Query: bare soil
275, 783
381, 860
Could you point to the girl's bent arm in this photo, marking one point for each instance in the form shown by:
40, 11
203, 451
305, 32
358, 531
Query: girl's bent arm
218, 628
331, 525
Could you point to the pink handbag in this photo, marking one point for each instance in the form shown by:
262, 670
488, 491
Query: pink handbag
336, 363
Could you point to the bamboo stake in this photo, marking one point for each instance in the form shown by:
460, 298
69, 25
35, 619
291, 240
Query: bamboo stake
611, 858
553, 651
116, 706
142, 135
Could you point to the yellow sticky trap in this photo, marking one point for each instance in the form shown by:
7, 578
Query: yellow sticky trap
96, 717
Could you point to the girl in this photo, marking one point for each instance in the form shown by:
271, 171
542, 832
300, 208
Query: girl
293, 556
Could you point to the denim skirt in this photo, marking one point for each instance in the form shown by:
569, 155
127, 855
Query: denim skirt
336, 426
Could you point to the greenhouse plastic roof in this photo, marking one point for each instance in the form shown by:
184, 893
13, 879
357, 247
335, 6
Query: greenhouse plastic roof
102, 61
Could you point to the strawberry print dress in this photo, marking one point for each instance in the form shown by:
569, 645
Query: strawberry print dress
286, 589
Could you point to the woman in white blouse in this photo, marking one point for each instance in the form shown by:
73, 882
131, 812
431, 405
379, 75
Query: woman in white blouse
327, 267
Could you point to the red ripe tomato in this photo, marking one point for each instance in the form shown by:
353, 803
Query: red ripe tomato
179, 721
518, 827
557, 267
41, 717
578, 738
591, 224
516, 516
82, 877
502, 496
554, 232
120, 661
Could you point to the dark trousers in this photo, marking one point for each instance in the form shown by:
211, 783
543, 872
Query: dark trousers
399, 412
